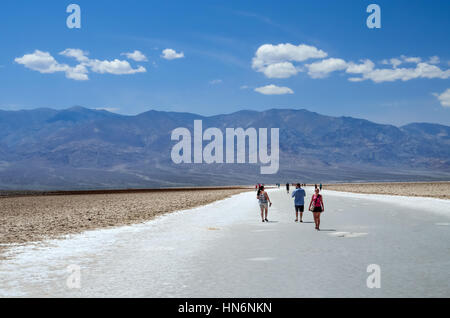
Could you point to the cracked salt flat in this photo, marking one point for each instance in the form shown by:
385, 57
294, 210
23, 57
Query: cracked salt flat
177, 256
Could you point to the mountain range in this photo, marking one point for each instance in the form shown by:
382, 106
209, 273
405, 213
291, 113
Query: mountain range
80, 148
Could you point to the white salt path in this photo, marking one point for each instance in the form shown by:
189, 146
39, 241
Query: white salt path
224, 250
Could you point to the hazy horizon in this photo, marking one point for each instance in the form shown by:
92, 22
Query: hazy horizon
218, 114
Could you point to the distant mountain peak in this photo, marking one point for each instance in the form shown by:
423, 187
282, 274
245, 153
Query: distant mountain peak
78, 108
80, 114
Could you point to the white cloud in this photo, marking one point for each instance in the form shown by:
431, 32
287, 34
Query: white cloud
414, 60
270, 54
170, 54
356, 79
422, 70
116, 67
284, 61
42, 62
275, 61
365, 67
280, 70
434, 60
137, 56
78, 73
395, 62
215, 82
368, 70
45, 63
274, 90
323, 68
77, 54
444, 98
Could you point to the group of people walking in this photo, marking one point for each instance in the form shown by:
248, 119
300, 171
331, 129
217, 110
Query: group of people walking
288, 186
316, 205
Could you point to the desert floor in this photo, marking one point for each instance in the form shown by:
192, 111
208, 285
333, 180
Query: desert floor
439, 190
34, 218
224, 250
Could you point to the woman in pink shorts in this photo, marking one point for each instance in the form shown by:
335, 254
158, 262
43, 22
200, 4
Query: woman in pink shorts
316, 207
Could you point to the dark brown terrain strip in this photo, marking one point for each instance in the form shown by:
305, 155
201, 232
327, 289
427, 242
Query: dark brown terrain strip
10, 194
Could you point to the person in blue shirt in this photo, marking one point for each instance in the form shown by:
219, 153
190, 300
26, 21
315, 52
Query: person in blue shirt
299, 194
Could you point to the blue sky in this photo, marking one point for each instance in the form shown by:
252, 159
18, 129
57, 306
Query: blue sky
228, 56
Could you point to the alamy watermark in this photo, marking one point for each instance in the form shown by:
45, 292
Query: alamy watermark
74, 19
214, 152
374, 19
74, 279
374, 279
